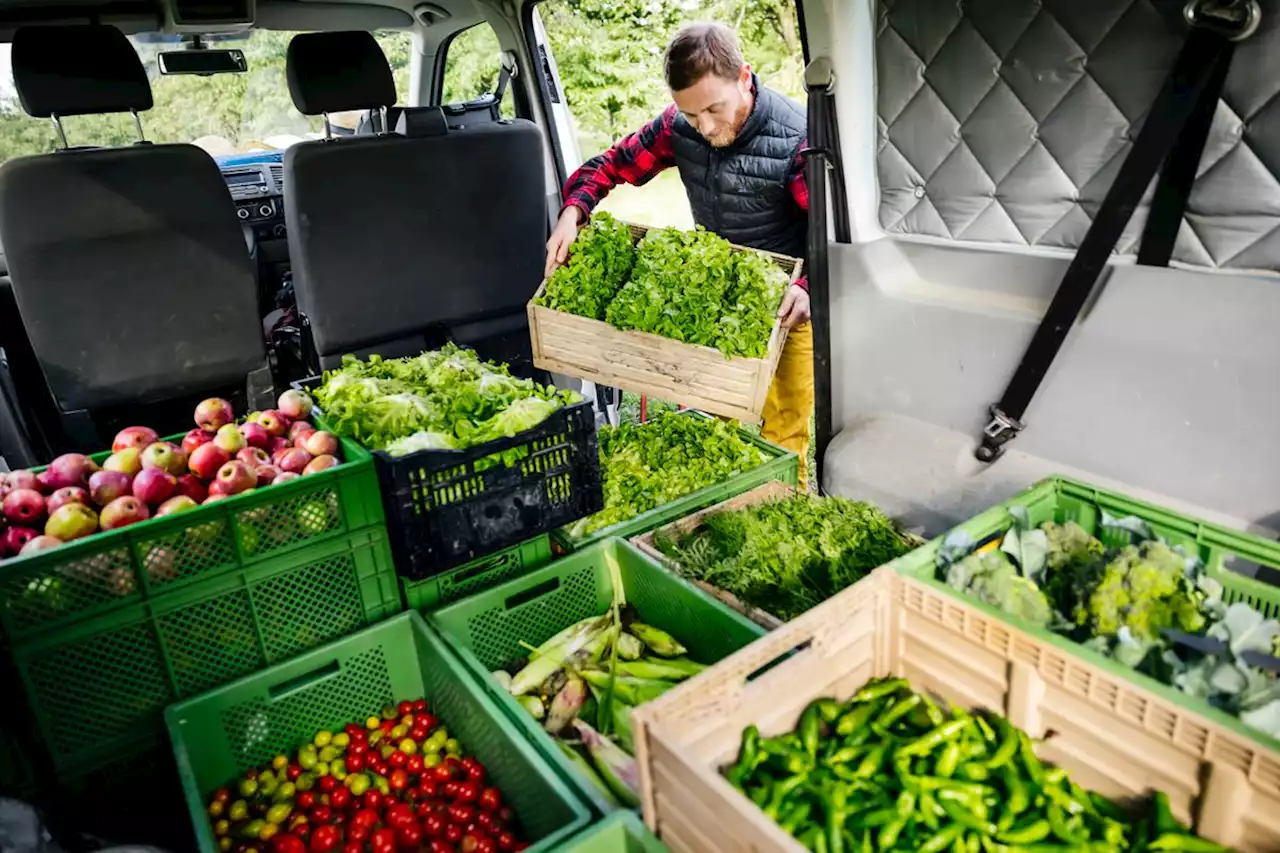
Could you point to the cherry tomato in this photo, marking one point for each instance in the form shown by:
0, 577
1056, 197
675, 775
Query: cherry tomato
453, 833
368, 818
399, 780
353, 846
442, 772
506, 841
490, 799
285, 842
450, 790
383, 840
340, 798
433, 826
438, 846
355, 762
293, 772
321, 814
409, 836
506, 815
418, 733
473, 768
410, 795
420, 705
426, 721
360, 737
327, 784
357, 748
428, 787
414, 766
485, 821
373, 799
358, 833
485, 844
380, 767
398, 815
462, 815
405, 708
468, 792
306, 799
397, 759
325, 839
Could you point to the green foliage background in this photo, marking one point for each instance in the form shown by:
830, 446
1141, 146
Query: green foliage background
609, 54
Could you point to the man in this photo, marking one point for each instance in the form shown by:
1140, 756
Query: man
737, 146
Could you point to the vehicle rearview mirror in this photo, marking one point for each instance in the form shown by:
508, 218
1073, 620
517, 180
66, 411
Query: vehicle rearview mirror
203, 62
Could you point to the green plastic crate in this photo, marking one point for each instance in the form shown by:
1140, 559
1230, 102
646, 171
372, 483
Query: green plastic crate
98, 688
620, 832
218, 735
476, 576
487, 629
782, 465
1225, 552
117, 571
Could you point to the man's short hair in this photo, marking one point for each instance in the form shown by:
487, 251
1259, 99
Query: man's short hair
702, 49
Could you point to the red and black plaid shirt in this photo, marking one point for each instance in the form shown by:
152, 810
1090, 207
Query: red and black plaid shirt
638, 158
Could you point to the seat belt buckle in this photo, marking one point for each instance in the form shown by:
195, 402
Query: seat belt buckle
1234, 20
998, 432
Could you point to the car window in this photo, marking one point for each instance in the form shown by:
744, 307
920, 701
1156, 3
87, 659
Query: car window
472, 63
224, 113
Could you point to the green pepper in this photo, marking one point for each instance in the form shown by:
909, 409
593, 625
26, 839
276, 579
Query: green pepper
843, 755
1008, 745
809, 728
1164, 819
940, 734
796, 814
966, 818
948, 761
749, 753
903, 706
835, 828
1018, 798
929, 810
1179, 841
1061, 828
936, 716
760, 795
1035, 770
1063, 800
902, 815
873, 818
1027, 832
941, 840
781, 790
975, 772
876, 691
856, 718
1107, 808
872, 762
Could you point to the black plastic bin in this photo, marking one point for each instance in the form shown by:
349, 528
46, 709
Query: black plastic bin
445, 508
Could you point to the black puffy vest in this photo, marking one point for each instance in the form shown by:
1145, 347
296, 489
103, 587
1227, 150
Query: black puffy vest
740, 192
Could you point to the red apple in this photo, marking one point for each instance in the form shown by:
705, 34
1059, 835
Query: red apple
71, 469
320, 463
278, 444
215, 496
23, 506
235, 477
15, 539
284, 477
214, 413
295, 404
322, 444
253, 456
38, 543
154, 485
122, 512
73, 521
166, 456
294, 461
275, 422
66, 495
105, 486
255, 435
230, 439
127, 461
22, 480
195, 438
48, 482
175, 504
206, 461
137, 437
299, 429
267, 474
193, 487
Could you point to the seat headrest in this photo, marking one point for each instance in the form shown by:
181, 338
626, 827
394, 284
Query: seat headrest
332, 72
79, 69
422, 121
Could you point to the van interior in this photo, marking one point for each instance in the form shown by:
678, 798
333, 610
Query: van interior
968, 148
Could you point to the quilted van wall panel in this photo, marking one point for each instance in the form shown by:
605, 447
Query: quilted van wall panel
1004, 121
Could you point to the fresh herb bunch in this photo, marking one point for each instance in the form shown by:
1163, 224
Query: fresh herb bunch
442, 399
600, 261
785, 556
646, 465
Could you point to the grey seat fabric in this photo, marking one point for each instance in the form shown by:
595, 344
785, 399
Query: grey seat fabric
391, 236
128, 265
1007, 122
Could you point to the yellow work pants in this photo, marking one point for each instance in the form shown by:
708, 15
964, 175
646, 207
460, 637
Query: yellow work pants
789, 406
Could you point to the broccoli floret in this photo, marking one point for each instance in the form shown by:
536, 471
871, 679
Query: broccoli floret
993, 579
1073, 567
1144, 589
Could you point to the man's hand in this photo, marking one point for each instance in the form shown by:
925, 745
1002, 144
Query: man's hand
795, 307
566, 231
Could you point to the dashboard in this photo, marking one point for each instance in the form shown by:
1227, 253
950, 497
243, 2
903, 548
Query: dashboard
256, 184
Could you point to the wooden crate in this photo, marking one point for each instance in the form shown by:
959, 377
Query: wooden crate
769, 491
1111, 735
694, 376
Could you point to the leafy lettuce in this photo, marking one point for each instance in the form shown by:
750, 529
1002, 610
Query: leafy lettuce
442, 399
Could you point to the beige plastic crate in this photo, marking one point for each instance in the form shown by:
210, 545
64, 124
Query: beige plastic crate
694, 376
1112, 736
771, 490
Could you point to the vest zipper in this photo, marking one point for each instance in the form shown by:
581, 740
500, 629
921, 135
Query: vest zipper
713, 183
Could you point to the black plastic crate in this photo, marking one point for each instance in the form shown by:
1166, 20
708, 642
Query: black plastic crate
445, 508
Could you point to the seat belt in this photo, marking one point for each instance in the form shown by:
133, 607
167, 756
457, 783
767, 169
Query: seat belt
1186, 103
509, 70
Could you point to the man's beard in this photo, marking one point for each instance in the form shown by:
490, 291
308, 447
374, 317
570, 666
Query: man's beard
726, 138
